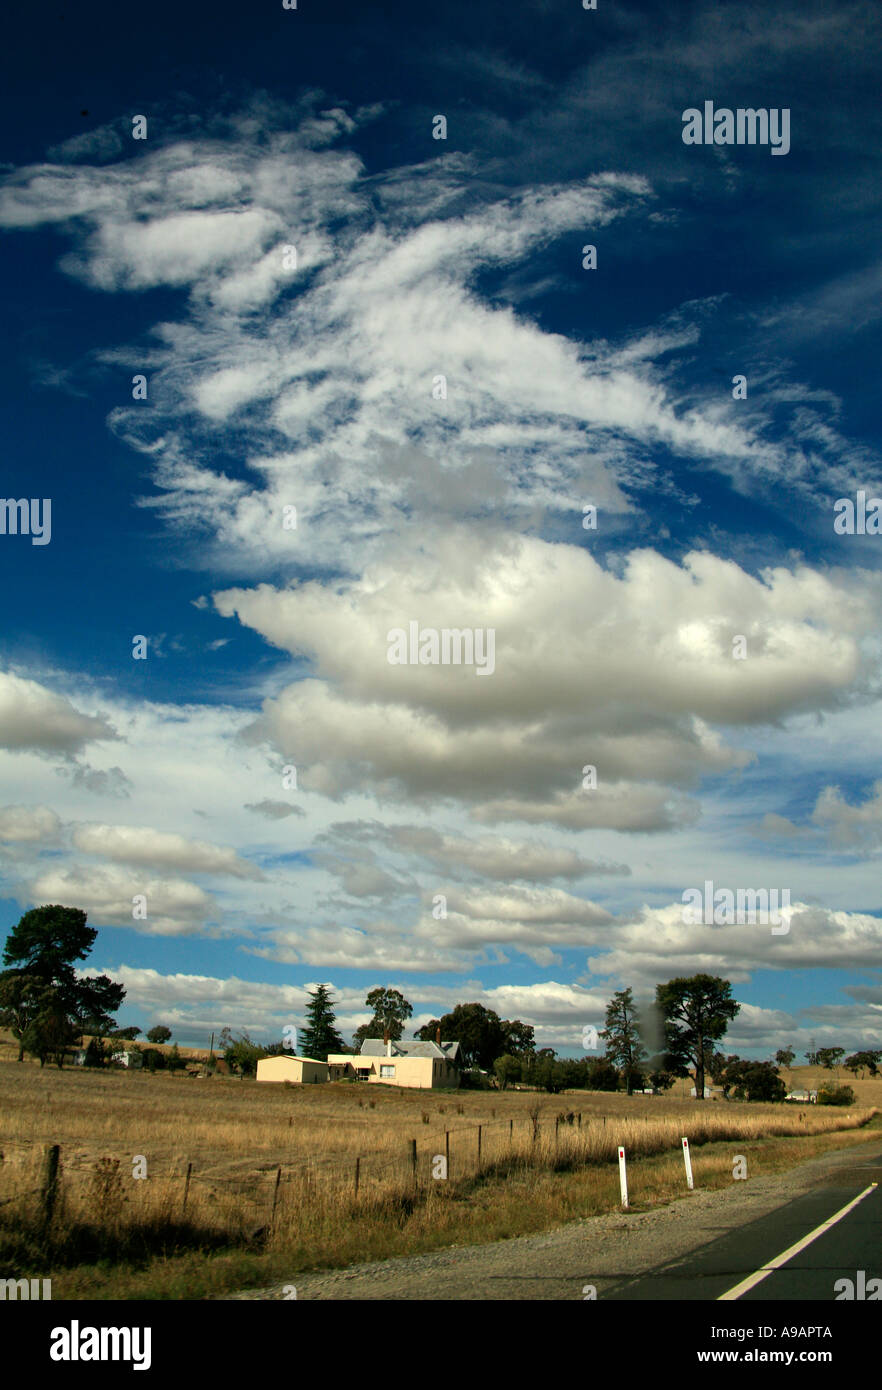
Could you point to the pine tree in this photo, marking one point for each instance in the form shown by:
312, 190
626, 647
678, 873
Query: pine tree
624, 1045
320, 1037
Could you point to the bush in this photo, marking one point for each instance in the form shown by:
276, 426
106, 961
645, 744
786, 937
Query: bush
835, 1095
474, 1080
95, 1054
153, 1059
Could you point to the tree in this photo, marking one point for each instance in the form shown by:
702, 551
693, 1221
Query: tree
390, 1013
864, 1061
320, 1037
812, 1055
829, 1057
831, 1094
478, 1031
153, 1059
175, 1062
753, 1080
697, 1010
602, 1075
241, 1053
785, 1057
159, 1033
21, 999
507, 1069
518, 1038
482, 1035
50, 1035
624, 1046
42, 980
95, 1054
125, 1034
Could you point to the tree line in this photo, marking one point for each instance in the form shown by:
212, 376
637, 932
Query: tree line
48, 1007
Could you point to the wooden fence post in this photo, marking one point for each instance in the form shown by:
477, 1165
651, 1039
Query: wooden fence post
357, 1173
413, 1159
447, 1150
480, 1127
510, 1133
275, 1196
49, 1190
186, 1187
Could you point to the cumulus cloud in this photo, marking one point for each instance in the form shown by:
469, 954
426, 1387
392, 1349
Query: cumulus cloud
34, 719
28, 823
161, 849
381, 946
639, 708
659, 945
174, 906
851, 827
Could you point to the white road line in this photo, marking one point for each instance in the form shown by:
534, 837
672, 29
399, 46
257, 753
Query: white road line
753, 1279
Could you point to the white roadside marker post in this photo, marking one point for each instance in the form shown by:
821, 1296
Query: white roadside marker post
689, 1183
623, 1179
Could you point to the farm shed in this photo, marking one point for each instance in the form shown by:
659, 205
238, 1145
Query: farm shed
301, 1070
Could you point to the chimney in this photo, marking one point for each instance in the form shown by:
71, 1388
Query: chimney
438, 1036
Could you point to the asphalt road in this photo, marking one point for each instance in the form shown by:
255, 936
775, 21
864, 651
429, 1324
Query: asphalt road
853, 1243
698, 1248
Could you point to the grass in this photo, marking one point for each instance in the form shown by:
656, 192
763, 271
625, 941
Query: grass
113, 1235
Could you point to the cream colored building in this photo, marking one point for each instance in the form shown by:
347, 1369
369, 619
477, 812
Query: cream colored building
299, 1070
419, 1064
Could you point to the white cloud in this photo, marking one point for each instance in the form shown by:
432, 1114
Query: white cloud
174, 907
161, 849
34, 719
28, 823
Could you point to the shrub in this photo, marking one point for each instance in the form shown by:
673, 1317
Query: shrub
835, 1095
95, 1054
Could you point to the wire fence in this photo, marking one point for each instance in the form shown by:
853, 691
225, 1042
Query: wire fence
461, 1151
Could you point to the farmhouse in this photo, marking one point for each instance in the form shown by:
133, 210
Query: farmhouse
419, 1064
300, 1070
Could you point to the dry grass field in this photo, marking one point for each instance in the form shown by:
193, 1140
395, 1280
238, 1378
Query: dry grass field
272, 1169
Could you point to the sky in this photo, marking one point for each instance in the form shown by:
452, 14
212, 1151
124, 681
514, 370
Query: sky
323, 322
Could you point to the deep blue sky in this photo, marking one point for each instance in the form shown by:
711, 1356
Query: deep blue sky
564, 128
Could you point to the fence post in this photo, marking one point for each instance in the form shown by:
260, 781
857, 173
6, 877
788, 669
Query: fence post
556, 1128
186, 1187
275, 1196
580, 1119
413, 1159
447, 1151
511, 1133
357, 1174
623, 1179
689, 1183
49, 1191
480, 1127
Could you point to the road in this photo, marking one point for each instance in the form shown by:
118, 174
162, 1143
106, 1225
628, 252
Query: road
699, 1248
